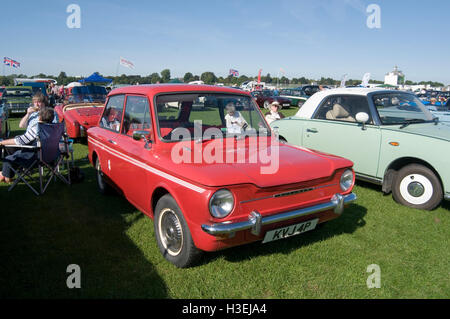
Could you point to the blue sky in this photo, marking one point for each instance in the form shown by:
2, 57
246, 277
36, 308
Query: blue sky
305, 38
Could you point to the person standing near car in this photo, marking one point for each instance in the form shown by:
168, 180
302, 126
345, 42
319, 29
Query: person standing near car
274, 114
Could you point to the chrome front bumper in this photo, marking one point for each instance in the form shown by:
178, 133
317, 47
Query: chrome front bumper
256, 221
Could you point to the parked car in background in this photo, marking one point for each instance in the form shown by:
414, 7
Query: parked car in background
86, 94
82, 109
441, 112
159, 159
391, 137
37, 87
17, 98
4, 128
296, 96
265, 97
309, 90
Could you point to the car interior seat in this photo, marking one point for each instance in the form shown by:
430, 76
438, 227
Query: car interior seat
339, 113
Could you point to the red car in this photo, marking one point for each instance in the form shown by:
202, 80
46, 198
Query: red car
211, 176
265, 97
82, 109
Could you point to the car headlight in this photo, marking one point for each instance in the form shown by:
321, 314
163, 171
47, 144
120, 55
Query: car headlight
346, 180
221, 203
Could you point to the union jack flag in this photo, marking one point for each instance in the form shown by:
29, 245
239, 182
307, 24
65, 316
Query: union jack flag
11, 62
234, 72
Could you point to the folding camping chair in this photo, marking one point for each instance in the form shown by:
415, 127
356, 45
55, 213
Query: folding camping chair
48, 156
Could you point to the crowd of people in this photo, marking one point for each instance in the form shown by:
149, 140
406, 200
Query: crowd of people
56, 94
39, 112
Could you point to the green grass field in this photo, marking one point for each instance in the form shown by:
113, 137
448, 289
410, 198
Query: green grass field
114, 244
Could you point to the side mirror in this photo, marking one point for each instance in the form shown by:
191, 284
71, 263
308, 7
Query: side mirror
363, 118
142, 135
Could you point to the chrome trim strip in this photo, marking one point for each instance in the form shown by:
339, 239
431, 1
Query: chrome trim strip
288, 193
255, 221
370, 179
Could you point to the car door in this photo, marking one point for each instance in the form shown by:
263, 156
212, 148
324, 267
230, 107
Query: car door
137, 155
107, 137
333, 129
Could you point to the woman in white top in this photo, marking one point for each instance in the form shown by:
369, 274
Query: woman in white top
236, 124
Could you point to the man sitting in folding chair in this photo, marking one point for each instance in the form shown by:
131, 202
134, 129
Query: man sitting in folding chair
37, 148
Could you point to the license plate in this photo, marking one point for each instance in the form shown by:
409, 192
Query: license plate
18, 111
287, 104
290, 231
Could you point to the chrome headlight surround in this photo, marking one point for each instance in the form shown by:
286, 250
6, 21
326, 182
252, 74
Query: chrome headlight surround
347, 179
221, 203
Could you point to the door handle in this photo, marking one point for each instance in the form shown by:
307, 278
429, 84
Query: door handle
112, 142
312, 130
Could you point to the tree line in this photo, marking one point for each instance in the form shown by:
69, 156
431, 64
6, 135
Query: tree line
207, 77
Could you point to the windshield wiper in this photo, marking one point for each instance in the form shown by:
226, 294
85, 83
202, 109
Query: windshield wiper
412, 121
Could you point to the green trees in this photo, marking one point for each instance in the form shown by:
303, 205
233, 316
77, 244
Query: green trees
188, 77
208, 77
165, 75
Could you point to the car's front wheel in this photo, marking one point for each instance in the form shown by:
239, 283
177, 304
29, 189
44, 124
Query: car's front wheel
172, 233
300, 103
266, 105
418, 187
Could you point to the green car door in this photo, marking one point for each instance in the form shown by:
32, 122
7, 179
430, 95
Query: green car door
333, 129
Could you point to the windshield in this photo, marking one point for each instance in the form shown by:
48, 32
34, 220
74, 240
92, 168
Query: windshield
204, 116
90, 93
17, 92
400, 108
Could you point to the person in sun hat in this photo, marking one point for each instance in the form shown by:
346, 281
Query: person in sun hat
274, 113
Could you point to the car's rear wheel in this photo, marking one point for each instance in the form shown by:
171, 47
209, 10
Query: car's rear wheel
103, 187
172, 233
266, 105
300, 103
418, 187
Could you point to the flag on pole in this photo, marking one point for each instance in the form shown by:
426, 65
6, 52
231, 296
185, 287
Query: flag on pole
11, 62
259, 75
343, 80
365, 80
234, 72
126, 63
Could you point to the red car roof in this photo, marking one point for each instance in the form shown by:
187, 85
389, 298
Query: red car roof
152, 89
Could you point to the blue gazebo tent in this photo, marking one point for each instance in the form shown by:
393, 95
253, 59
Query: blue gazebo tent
95, 78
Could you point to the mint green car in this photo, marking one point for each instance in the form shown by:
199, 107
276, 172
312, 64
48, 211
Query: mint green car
391, 137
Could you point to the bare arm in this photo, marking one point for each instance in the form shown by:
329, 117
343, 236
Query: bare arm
10, 141
24, 121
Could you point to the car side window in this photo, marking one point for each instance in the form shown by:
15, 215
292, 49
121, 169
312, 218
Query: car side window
112, 115
137, 115
343, 108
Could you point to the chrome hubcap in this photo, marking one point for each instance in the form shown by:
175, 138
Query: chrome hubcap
416, 189
170, 231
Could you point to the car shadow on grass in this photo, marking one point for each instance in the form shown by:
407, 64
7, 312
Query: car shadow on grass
42, 235
347, 223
